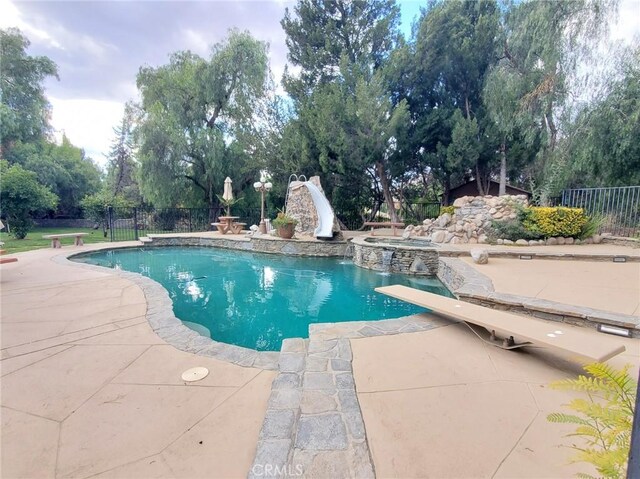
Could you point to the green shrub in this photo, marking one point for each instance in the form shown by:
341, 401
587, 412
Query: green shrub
512, 230
592, 226
21, 196
558, 221
605, 418
447, 209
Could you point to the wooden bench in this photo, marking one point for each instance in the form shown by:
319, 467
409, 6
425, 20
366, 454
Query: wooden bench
55, 238
486, 321
6, 260
385, 224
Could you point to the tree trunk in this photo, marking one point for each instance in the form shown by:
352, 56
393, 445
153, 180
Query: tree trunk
386, 191
481, 189
553, 131
445, 194
502, 190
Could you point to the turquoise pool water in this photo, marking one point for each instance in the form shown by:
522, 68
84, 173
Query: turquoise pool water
257, 300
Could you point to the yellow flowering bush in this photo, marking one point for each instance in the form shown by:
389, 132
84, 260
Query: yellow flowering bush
447, 209
557, 221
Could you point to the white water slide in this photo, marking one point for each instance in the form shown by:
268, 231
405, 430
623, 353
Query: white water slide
325, 213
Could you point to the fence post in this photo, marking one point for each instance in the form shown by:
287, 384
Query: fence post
190, 228
135, 223
110, 220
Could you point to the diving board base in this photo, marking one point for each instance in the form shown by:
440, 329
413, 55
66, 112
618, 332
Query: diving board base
490, 337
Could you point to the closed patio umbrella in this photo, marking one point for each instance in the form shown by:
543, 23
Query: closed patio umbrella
227, 195
228, 192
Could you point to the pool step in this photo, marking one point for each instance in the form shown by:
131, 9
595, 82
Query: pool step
145, 239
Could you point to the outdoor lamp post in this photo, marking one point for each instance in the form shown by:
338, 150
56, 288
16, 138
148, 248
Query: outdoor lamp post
262, 187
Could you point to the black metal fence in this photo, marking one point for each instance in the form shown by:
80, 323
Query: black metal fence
416, 213
409, 213
619, 208
126, 224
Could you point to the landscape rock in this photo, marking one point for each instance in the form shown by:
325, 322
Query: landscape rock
480, 256
552, 241
444, 220
472, 218
438, 237
522, 242
507, 242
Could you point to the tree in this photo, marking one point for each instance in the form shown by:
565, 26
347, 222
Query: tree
603, 142
64, 169
122, 168
193, 111
21, 196
443, 77
544, 47
340, 47
322, 32
24, 109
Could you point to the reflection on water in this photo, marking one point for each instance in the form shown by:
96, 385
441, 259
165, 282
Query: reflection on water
257, 300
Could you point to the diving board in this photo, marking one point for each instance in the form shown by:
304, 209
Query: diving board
577, 341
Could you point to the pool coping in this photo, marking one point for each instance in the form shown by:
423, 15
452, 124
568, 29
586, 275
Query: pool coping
169, 328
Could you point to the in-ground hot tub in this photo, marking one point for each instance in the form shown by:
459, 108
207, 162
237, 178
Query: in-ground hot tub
394, 255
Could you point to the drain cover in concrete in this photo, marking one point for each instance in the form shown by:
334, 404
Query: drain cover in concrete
195, 374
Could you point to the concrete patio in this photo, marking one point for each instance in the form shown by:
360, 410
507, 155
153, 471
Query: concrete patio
88, 389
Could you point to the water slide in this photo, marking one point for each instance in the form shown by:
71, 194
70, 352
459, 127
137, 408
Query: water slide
325, 213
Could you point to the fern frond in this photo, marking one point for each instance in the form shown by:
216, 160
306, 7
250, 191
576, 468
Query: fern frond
580, 475
605, 417
566, 418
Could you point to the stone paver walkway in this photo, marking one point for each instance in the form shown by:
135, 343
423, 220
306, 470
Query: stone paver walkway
89, 389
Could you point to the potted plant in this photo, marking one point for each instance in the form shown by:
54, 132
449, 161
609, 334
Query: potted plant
228, 203
285, 225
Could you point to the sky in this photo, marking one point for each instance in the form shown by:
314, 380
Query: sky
99, 47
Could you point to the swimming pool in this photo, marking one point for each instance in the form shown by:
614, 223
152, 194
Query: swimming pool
257, 300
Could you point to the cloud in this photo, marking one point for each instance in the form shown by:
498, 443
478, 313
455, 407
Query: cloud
87, 123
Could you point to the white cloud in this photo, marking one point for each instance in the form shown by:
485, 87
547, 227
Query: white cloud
87, 123
10, 16
196, 42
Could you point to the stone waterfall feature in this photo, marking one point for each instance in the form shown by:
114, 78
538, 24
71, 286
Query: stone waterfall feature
300, 206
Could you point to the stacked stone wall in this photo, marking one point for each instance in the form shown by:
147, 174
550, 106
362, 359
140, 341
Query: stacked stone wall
471, 221
416, 261
258, 244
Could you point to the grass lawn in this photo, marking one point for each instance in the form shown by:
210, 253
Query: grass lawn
34, 239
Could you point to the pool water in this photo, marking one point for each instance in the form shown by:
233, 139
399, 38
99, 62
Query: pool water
257, 300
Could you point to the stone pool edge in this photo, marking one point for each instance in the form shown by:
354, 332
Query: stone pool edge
169, 328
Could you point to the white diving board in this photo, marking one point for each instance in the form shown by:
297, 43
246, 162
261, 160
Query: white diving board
577, 341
